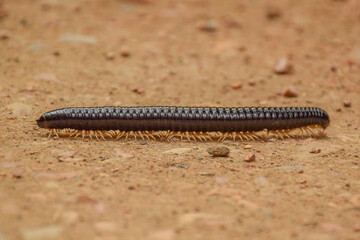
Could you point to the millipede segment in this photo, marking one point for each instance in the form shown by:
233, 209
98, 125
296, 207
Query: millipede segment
186, 123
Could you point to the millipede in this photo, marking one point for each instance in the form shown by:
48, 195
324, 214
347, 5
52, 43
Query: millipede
186, 123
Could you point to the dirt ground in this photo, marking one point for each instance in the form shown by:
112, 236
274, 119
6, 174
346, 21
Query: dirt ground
62, 53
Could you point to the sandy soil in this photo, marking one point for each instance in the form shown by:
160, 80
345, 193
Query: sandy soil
57, 53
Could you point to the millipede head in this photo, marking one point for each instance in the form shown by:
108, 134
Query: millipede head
41, 122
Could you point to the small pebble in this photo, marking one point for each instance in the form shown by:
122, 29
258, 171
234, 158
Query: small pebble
290, 92
237, 86
109, 55
137, 90
339, 109
219, 151
85, 199
143, 143
17, 175
315, 150
273, 13
250, 158
207, 174
208, 26
283, 66
357, 228
124, 52
346, 103
248, 147
252, 82
4, 35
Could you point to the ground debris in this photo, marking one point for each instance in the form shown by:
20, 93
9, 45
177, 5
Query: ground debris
283, 66
236, 85
290, 92
220, 151
208, 26
315, 150
250, 158
346, 103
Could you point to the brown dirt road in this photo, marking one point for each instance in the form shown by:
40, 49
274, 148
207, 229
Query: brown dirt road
66, 53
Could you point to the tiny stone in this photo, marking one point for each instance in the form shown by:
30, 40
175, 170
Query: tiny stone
339, 109
290, 92
346, 103
139, 91
143, 143
208, 174
283, 66
301, 171
219, 151
4, 35
109, 55
17, 175
273, 13
208, 26
237, 86
315, 150
85, 199
250, 158
252, 82
248, 147
124, 52
357, 228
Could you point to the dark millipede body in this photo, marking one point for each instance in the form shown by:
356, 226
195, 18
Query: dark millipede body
184, 119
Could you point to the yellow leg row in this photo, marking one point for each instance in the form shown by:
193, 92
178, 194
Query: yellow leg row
309, 131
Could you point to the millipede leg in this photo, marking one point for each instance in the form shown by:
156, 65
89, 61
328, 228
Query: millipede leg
101, 135
240, 136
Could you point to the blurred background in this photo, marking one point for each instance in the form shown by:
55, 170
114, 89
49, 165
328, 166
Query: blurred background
234, 53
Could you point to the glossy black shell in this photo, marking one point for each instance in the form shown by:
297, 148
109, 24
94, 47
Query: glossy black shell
197, 119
